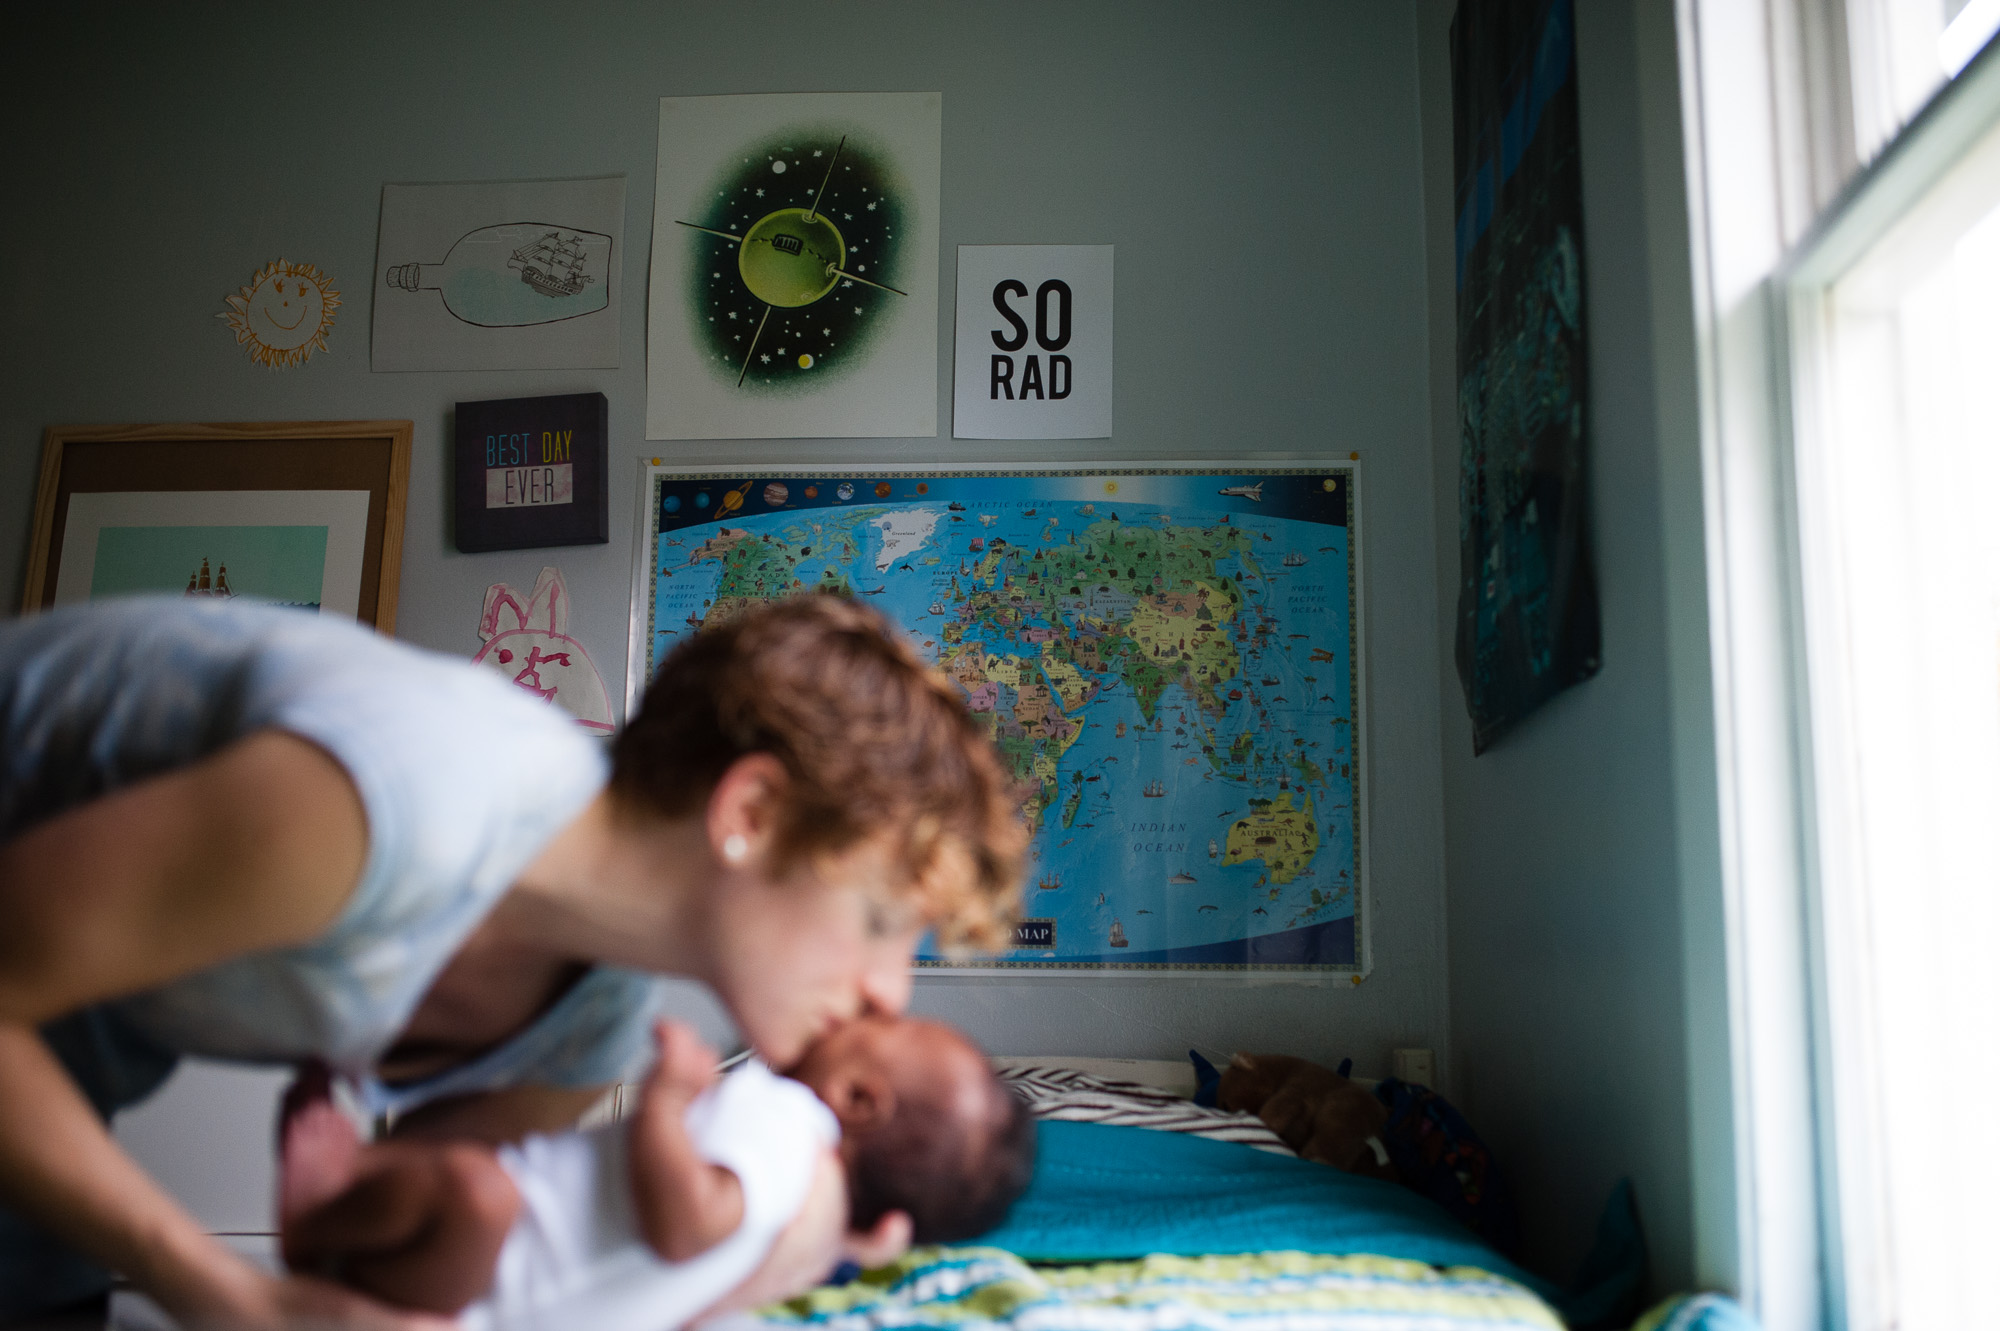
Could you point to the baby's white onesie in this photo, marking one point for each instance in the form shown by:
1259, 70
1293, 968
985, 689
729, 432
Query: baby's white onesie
575, 1257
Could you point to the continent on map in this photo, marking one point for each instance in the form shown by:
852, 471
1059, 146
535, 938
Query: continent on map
765, 566
1283, 835
1146, 607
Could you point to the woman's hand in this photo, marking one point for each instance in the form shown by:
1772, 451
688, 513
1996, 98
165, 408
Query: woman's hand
297, 1301
62, 1169
252, 1300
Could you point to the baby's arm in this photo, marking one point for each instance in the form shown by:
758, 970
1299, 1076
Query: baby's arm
685, 1205
806, 1250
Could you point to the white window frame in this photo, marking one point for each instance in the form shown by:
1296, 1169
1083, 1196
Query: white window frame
1936, 143
1744, 75
1769, 234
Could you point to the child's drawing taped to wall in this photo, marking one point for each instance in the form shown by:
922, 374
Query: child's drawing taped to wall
526, 642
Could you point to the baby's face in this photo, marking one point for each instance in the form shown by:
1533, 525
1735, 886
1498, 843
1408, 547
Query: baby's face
860, 1069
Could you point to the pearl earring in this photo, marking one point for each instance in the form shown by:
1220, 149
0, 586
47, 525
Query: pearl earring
734, 847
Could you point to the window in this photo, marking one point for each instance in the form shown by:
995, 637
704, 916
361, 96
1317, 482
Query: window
1844, 169
1900, 52
1897, 462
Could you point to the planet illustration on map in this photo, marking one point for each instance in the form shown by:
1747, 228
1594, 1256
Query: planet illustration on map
1172, 683
671, 504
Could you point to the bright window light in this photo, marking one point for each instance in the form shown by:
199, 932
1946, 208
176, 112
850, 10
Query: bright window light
1898, 458
1965, 34
1893, 48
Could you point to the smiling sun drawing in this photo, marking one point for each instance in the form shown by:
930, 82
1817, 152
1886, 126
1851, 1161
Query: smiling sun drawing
285, 313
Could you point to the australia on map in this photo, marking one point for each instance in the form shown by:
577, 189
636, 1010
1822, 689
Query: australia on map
1166, 659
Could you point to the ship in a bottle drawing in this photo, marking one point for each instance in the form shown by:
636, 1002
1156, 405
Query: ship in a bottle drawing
553, 265
516, 273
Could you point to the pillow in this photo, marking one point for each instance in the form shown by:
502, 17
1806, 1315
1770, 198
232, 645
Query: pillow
1065, 1094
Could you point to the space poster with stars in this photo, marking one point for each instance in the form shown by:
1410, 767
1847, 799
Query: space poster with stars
1528, 624
795, 267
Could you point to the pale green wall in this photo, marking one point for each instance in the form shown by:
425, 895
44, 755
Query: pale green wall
1256, 166
1587, 1000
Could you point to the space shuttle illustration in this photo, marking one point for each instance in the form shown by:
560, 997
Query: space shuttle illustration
1254, 492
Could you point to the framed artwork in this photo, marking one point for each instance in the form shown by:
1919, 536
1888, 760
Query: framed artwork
1528, 623
529, 471
1168, 659
794, 283
301, 513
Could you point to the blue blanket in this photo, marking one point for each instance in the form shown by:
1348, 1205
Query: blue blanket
1103, 1193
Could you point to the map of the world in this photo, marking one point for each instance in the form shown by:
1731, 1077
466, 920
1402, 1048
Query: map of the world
1166, 658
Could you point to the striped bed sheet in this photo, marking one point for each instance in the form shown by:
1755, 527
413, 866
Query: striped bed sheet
1056, 1092
976, 1289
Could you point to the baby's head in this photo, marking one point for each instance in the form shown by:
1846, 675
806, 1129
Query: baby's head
926, 1128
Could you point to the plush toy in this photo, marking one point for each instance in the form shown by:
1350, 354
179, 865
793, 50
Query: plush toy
1318, 1113
1405, 1133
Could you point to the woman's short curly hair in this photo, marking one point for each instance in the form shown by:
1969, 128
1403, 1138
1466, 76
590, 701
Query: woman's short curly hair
873, 740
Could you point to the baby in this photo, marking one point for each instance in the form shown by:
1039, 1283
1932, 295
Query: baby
890, 1130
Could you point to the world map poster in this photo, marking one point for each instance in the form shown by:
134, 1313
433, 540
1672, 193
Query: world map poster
1168, 659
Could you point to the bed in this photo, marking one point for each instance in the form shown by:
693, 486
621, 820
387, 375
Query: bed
1148, 1213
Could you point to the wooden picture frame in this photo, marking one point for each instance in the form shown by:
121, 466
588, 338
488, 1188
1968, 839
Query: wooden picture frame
165, 486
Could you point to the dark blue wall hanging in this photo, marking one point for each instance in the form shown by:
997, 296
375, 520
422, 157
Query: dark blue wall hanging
1527, 596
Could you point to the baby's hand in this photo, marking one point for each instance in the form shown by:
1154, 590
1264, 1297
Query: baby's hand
686, 1065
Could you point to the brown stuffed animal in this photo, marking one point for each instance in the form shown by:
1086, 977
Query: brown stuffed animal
1318, 1113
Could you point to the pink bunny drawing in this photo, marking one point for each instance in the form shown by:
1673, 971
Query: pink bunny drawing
527, 644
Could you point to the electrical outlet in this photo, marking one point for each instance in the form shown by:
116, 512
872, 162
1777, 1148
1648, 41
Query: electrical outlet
1416, 1066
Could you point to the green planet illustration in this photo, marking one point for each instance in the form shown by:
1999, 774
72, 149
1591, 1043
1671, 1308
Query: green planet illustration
791, 258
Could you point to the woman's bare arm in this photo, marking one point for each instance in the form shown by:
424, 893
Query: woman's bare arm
257, 846
60, 1167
